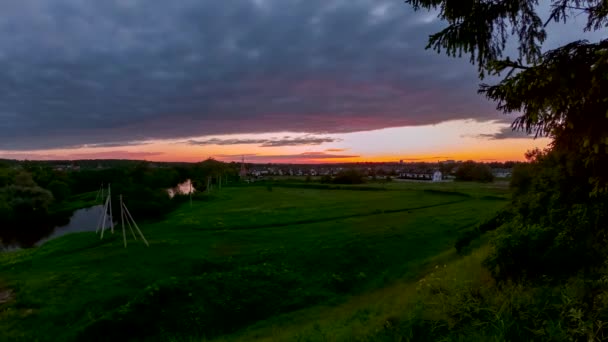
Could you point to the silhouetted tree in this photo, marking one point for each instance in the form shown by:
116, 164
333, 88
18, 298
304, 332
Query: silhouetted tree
560, 202
560, 93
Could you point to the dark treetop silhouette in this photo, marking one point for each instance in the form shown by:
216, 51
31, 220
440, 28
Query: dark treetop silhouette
561, 93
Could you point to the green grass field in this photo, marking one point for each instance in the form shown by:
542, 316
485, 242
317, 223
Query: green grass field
247, 263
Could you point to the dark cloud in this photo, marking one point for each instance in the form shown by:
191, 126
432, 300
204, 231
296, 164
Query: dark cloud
298, 141
216, 141
323, 155
306, 156
83, 155
422, 159
113, 144
506, 133
112, 155
78, 72
273, 142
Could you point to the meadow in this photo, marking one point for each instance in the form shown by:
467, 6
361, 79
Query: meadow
244, 263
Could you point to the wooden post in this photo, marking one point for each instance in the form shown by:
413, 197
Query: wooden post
111, 216
122, 221
100, 218
129, 222
136, 227
105, 213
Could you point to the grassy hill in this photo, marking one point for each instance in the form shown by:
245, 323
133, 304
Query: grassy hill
252, 256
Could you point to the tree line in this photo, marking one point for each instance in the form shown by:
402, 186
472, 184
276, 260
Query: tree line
34, 197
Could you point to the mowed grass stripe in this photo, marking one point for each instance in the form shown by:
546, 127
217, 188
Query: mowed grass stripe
334, 218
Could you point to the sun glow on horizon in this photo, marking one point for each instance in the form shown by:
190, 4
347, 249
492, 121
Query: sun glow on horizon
450, 140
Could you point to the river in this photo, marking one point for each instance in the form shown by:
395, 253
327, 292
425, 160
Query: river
82, 220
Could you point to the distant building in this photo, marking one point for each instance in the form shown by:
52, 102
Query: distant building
437, 176
243, 172
424, 175
502, 173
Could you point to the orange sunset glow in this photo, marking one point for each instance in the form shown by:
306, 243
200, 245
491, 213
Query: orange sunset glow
453, 140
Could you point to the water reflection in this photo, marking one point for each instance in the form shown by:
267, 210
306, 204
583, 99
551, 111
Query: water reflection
182, 189
82, 220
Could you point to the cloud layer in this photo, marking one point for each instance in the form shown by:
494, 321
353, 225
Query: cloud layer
297, 157
78, 72
272, 142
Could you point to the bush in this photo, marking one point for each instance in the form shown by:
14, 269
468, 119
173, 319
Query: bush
59, 189
351, 176
143, 202
471, 171
557, 228
466, 238
326, 179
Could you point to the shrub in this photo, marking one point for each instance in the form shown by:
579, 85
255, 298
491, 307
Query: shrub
471, 171
466, 238
350, 176
59, 189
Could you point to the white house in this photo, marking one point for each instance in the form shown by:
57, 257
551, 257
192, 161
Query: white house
437, 176
502, 173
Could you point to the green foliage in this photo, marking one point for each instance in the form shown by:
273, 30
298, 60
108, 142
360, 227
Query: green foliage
326, 179
7, 176
24, 179
472, 171
480, 311
210, 172
24, 203
556, 229
522, 178
59, 189
468, 236
349, 176
143, 202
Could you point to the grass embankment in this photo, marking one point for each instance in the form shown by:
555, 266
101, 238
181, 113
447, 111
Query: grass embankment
246, 256
385, 314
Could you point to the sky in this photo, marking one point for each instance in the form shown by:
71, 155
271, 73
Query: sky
274, 80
